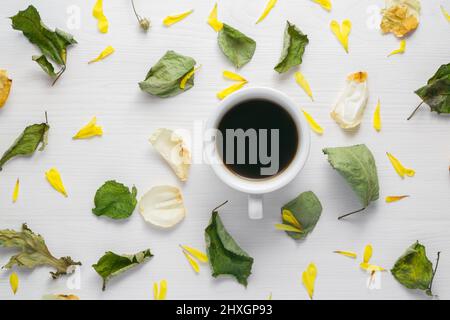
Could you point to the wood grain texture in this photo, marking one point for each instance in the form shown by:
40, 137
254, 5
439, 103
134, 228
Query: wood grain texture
109, 90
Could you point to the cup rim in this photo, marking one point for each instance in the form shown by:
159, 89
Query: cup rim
287, 175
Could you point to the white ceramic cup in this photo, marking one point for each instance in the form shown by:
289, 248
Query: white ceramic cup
256, 188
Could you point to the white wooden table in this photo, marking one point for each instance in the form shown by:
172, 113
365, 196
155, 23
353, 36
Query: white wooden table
109, 90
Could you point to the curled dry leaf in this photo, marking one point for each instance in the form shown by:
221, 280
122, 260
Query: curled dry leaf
414, 270
236, 46
162, 206
5, 87
27, 143
33, 252
400, 17
357, 165
349, 109
52, 44
171, 147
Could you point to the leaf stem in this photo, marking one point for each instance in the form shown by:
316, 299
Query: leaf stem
135, 12
59, 74
219, 206
434, 272
349, 214
415, 110
46, 118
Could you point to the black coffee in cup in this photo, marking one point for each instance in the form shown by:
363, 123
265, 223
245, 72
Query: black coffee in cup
258, 138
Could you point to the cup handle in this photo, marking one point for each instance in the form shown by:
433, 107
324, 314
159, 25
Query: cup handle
255, 206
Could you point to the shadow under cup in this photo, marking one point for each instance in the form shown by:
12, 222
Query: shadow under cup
257, 139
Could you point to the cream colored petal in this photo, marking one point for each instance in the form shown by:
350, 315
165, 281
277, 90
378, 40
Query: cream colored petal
349, 109
162, 206
172, 148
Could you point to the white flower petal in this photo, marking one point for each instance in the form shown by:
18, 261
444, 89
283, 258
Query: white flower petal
172, 149
349, 109
162, 206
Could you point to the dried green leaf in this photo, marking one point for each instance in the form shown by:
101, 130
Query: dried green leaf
437, 91
224, 254
33, 252
238, 48
45, 65
307, 209
112, 264
27, 143
53, 44
357, 165
164, 78
294, 46
115, 200
414, 270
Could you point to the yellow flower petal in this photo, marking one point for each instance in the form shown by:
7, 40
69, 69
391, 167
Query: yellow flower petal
89, 130
54, 178
269, 6
377, 117
399, 50
233, 76
16, 191
390, 199
367, 253
187, 77
289, 228
197, 254
302, 82
234, 87
155, 291
401, 170
289, 217
312, 123
170, 20
326, 4
5, 87
108, 51
14, 282
342, 32
445, 13
192, 262
349, 254
270, 296
213, 21
309, 279
370, 267
102, 21
162, 290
